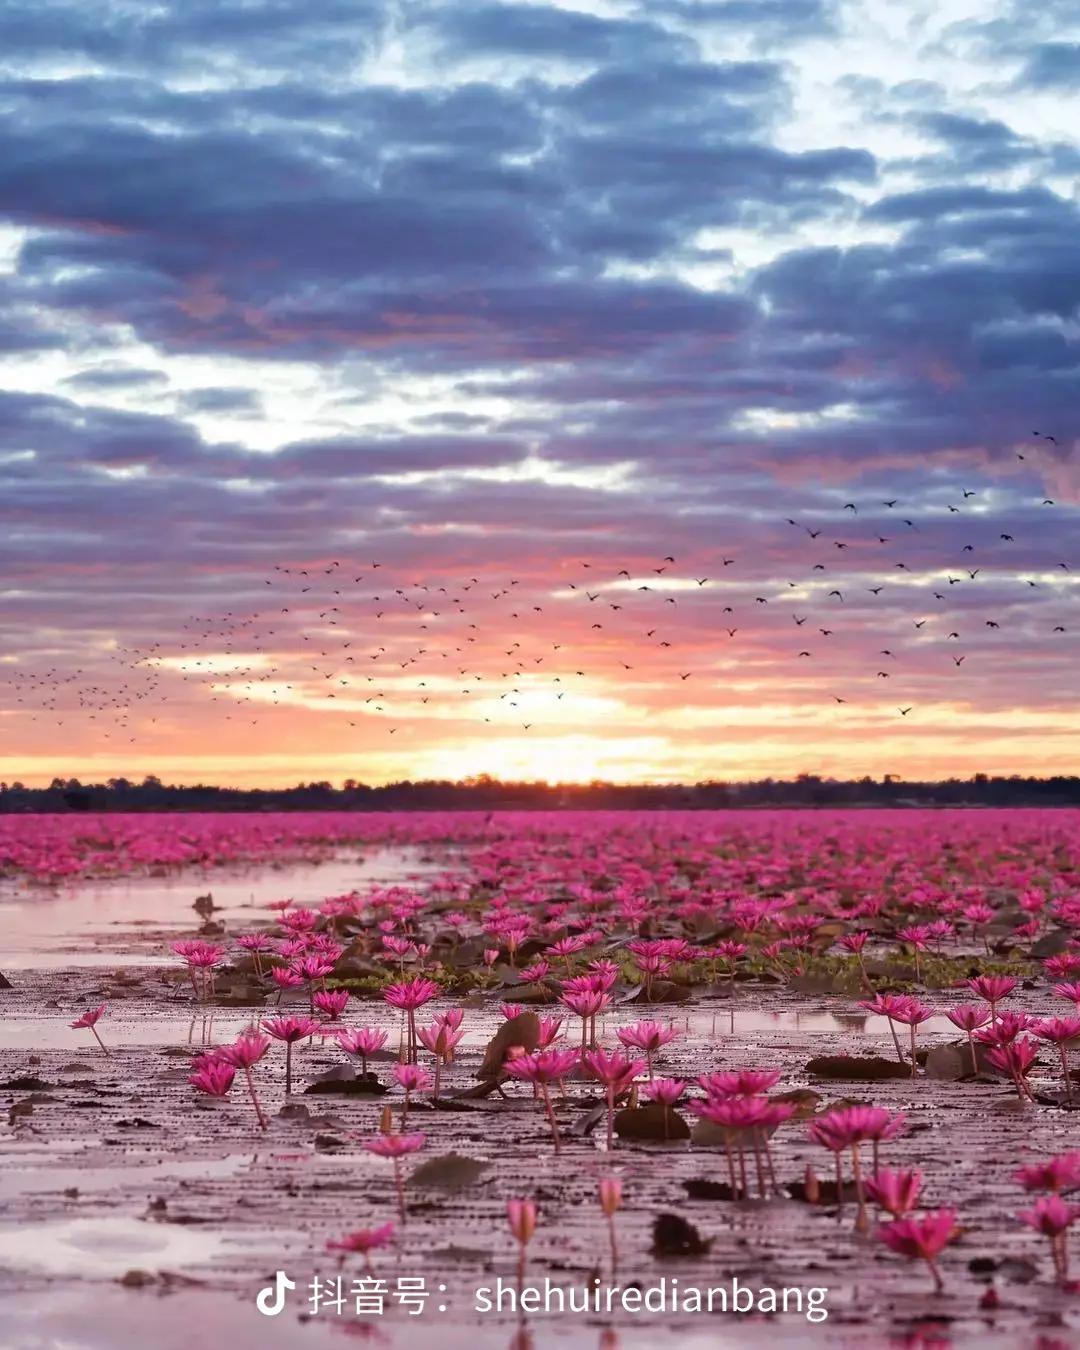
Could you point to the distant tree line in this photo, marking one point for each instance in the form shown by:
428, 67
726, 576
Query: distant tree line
490, 794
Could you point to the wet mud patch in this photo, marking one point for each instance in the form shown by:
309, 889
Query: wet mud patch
122, 1191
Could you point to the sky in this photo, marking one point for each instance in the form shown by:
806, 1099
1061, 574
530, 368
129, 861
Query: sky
512, 299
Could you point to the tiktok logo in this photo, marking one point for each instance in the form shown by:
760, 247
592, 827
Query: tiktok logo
272, 1300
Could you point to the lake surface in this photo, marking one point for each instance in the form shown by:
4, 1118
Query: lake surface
41, 928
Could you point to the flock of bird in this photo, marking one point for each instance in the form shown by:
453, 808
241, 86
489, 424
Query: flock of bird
353, 637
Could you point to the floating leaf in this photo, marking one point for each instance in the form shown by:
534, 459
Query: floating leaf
1052, 944
673, 1236
857, 1068
450, 1172
825, 1192
653, 1121
699, 1189
328, 1143
350, 1084
806, 1102
948, 1062
523, 1030
533, 993
584, 1125
811, 984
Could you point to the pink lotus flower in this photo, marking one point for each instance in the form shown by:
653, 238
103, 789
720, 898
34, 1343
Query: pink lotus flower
993, 988
549, 1031
1050, 1215
331, 1002
667, 1091
396, 1147
922, 1239
212, 1076
1015, 1058
610, 1195
610, 1192
441, 1040
739, 1082
412, 1079
1007, 1027
969, 1017
648, 1037
290, 1030
299, 920
896, 1192
255, 943
913, 1015
248, 1048
365, 1241
1058, 1174
848, 1129
246, 1051
201, 956
1053, 1217
616, 1072
588, 1004
745, 1119
285, 978
521, 1215
89, 1021
1064, 1032
888, 1006
408, 996
362, 1041
543, 1069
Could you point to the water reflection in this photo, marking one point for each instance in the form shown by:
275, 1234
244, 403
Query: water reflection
734, 1021
37, 923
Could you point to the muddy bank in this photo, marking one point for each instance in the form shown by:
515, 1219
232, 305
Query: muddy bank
111, 1169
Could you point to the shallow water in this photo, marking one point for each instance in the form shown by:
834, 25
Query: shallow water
133, 1175
42, 928
223, 1026
735, 1021
121, 1319
104, 1247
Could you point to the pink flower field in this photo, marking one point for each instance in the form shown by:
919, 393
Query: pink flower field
538, 1080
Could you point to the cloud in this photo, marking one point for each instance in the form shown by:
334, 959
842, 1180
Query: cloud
496, 291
